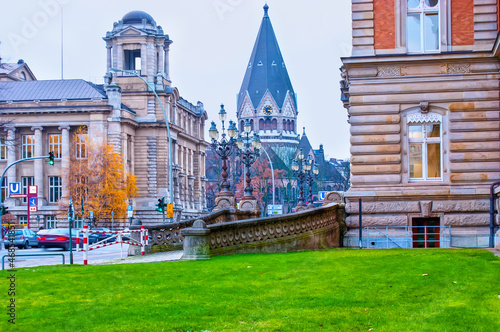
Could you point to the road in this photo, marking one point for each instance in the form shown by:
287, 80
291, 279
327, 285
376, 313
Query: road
101, 254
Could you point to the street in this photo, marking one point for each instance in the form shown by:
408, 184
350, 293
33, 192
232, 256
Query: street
101, 254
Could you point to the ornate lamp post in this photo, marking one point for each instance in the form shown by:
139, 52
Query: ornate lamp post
224, 148
305, 172
311, 176
249, 150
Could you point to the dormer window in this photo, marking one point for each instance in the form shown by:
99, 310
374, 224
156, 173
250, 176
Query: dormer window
260, 64
23, 76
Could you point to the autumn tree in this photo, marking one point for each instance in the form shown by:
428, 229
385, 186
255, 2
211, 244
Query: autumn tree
96, 174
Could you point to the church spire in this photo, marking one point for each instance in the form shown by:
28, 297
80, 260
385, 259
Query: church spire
266, 70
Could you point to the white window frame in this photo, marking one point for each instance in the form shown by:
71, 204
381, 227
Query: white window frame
23, 220
55, 189
80, 144
28, 145
51, 222
78, 223
3, 147
27, 181
423, 10
4, 189
54, 146
423, 120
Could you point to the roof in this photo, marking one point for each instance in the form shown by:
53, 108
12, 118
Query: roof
266, 69
304, 144
7, 68
137, 16
49, 90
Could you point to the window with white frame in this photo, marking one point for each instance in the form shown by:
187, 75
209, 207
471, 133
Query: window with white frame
23, 220
28, 146
55, 189
27, 181
425, 157
78, 223
422, 26
55, 145
3, 148
81, 151
51, 222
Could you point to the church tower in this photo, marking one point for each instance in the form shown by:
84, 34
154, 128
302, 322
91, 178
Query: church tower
266, 97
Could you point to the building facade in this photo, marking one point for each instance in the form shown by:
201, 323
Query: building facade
42, 116
422, 94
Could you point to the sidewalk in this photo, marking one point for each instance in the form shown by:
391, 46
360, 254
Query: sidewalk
168, 256
496, 252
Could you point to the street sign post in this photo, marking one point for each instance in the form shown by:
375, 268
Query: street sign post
15, 190
274, 209
91, 218
32, 201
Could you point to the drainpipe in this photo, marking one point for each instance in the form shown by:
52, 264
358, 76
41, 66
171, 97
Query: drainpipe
492, 213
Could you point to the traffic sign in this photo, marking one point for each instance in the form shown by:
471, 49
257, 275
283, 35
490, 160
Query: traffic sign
274, 209
33, 190
14, 188
33, 208
91, 215
321, 195
170, 210
33, 201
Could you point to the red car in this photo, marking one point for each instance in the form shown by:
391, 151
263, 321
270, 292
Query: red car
57, 238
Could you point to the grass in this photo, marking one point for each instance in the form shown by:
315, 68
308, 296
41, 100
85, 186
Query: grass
332, 290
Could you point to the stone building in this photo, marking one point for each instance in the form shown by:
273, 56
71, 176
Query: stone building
422, 94
124, 112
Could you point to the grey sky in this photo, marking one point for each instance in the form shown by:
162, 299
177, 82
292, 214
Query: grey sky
213, 40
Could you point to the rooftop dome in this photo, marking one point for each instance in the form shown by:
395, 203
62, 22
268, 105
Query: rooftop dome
137, 16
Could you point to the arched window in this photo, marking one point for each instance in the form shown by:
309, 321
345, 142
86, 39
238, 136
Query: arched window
425, 156
268, 124
242, 125
251, 125
284, 125
275, 124
292, 126
261, 124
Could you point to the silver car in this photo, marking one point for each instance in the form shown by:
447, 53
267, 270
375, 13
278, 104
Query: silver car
23, 238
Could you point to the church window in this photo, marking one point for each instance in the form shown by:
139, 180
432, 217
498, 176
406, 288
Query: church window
132, 59
275, 124
425, 147
422, 26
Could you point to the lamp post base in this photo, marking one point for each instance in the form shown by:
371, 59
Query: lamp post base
249, 204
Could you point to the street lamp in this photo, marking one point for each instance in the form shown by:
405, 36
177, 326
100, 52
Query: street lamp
249, 150
305, 171
224, 147
151, 87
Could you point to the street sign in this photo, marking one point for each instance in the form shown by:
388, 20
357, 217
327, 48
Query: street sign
170, 210
91, 215
274, 209
14, 188
33, 208
321, 195
33, 201
130, 210
32, 190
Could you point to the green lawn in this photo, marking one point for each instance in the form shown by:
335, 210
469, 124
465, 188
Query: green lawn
332, 290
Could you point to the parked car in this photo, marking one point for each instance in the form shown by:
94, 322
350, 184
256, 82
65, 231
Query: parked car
102, 236
93, 238
23, 238
57, 238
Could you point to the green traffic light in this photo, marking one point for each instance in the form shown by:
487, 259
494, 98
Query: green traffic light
51, 158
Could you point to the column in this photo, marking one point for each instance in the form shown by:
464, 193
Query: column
11, 153
65, 148
144, 59
39, 164
109, 57
119, 56
161, 60
167, 63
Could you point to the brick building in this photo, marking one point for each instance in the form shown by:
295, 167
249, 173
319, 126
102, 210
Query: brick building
422, 93
42, 116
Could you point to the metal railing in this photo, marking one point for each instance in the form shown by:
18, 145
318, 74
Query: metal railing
407, 237
35, 255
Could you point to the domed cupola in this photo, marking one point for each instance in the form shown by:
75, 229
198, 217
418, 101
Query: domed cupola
136, 16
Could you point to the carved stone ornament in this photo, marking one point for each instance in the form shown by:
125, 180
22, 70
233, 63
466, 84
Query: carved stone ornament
458, 68
424, 118
424, 107
388, 71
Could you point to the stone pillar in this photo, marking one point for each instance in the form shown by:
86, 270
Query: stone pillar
109, 62
65, 150
195, 243
11, 153
39, 164
144, 58
167, 63
119, 56
203, 192
161, 60
190, 191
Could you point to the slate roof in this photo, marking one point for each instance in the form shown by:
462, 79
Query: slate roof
304, 143
49, 90
266, 69
7, 68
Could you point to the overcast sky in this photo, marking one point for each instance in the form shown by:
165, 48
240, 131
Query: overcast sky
213, 41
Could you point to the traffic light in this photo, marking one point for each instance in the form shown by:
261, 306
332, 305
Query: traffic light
161, 205
3, 210
51, 158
